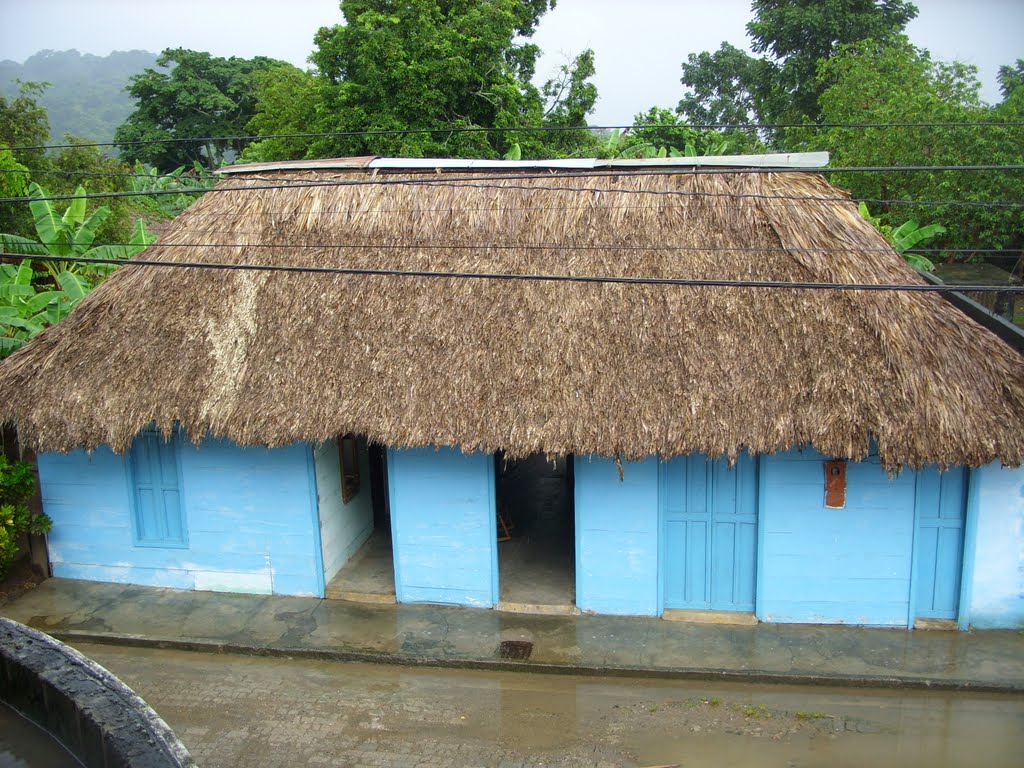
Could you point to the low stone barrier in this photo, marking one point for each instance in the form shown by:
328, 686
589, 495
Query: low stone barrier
94, 715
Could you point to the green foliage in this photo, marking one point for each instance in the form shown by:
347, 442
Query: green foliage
797, 34
25, 310
905, 236
286, 103
14, 181
727, 87
755, 711
165, 204
24, 123
17, 486
898, 83
1011, 78
72, 234
458, 63
730, 86
660, 133
198, 102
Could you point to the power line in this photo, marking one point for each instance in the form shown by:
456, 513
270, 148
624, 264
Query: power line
535, 246
539, 172
690, 282
522, 129
625, 170
474, 181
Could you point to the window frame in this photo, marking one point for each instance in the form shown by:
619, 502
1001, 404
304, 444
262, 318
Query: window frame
175, 442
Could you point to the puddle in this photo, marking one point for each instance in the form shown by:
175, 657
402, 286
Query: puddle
233, 710
23, 744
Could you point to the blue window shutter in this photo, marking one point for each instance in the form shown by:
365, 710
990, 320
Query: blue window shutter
158, 517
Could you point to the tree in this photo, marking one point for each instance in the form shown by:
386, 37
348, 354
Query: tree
871, 82
792, 36
196, 111
442, 63
24, 123
659, 132
286, 103
1011, 78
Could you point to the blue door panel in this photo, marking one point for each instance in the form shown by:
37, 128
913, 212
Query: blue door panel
723, 558
938, 543
710, 524
695, 588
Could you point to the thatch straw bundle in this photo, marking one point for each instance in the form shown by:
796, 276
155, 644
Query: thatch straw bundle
620, 370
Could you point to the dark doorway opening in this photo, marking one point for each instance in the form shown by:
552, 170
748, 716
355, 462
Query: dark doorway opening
536, 534
368, 575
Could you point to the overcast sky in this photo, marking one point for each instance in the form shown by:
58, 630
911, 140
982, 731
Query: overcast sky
639, 43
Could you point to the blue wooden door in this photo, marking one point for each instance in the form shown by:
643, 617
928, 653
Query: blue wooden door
158, 513
939, 542
710, 533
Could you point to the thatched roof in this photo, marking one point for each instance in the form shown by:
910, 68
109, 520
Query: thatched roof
268, 358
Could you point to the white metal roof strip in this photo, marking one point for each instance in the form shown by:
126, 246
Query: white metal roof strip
470, 164
780, 160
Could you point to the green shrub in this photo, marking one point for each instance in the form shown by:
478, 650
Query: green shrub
17, 485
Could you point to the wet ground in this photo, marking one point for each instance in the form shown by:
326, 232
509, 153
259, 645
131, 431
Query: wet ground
411, 634
25, 745
263, 712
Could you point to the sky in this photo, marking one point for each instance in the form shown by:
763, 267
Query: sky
639, 44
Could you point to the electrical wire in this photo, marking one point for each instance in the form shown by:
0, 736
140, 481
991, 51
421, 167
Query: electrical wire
535, 173
522, 129
690, 282
464, 245
476, 181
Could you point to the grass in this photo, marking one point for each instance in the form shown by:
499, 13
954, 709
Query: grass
803, 714
755, 711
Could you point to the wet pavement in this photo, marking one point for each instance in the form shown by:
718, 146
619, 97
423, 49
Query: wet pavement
236, 711
80, 611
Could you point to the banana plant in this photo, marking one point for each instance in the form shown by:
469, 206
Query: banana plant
25, 311
71, 234
905, 236
163, 202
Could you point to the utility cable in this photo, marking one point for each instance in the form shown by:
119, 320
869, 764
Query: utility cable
534, 246
690, 282
522, 129
475, 181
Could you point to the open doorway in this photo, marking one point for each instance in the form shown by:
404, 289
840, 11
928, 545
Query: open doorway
355, 521
536, 534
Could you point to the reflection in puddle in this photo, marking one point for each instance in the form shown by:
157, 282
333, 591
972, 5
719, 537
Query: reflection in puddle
23, 744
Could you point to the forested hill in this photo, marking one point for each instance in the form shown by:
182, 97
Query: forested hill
86, 96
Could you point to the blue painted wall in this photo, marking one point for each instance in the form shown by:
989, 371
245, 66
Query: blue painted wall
834, 566
443, 526
250, 513
344, 528
996, 562
617, 537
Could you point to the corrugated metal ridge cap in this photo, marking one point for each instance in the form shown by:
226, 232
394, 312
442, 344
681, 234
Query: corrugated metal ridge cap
785, 160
